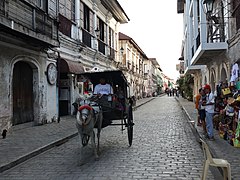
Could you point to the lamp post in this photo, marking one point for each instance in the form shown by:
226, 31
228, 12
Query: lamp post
215, 22
97, 34
208, 6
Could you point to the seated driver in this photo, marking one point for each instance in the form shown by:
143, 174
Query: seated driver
103, 88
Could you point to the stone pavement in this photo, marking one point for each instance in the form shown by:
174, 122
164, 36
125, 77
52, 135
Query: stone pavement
219, 148
164, 148
26, 141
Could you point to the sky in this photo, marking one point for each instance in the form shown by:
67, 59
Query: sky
157, 28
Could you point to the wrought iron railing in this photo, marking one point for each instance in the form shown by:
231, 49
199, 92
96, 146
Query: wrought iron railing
86, 38
101, 47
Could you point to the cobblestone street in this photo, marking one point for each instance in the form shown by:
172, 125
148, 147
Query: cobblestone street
164, 147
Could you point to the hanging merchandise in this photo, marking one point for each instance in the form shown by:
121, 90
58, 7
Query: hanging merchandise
236, 140
234, 73
238, 85
223, 128
226, 91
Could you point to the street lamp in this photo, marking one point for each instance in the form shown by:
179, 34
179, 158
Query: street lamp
208, 6
97, 32
96, 44
121, 50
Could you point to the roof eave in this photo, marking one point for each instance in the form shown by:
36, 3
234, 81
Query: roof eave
116, 9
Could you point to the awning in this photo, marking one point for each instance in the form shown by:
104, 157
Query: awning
68, 66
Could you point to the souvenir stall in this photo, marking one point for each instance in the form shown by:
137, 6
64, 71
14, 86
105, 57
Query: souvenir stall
227, 108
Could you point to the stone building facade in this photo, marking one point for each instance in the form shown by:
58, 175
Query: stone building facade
132, 62
88, 35
27, 32
211, 40
44, 46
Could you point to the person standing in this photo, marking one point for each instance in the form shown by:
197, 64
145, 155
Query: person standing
197, 99
209, 109
201, 110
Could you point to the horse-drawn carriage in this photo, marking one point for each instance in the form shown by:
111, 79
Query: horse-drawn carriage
106, 110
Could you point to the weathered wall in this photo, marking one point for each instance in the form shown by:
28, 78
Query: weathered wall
44, 95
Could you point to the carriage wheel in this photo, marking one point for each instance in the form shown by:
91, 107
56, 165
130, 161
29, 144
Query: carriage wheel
130, 126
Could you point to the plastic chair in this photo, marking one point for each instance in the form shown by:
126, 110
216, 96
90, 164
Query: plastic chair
210, 161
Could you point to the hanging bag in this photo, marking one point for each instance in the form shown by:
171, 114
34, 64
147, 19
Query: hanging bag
238, 84
226, 91
236, 140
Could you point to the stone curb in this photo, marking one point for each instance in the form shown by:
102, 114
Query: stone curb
36, 152
196, 133
47, 147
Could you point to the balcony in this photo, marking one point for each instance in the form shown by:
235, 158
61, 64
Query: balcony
22, 17
211, 42
192, 69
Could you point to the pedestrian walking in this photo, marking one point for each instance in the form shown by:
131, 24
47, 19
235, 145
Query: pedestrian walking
209, 109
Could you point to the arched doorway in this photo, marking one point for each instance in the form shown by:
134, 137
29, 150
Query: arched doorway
205, 80
223, 75
212, 81
22, 93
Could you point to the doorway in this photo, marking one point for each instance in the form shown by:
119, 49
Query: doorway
22, 93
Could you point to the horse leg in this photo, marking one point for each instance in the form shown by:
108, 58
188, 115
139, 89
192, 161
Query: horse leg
99, 131
94, 146
81, 161
98, 138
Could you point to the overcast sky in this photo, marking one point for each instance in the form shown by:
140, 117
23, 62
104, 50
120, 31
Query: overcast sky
157, 29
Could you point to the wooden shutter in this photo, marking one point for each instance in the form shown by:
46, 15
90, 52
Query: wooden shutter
81, 14
91, 23
52, 8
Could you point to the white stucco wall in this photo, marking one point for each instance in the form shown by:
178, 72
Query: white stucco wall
42, 109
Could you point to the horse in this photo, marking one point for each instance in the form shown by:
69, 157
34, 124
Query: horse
89, 116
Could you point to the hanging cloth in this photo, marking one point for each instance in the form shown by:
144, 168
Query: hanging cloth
234, 73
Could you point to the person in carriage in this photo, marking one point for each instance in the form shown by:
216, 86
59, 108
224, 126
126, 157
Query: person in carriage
105, 92
103, 88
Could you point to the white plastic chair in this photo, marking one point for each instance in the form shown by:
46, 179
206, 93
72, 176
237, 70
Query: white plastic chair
210, 161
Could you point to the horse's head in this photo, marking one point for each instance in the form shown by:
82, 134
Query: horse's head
85, 122
85, 114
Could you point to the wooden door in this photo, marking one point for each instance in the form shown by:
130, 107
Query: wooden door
22, 93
